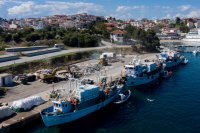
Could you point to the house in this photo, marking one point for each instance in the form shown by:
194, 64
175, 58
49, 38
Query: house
197, 24
68, 24
13, 26
39, 26
117, 36
190, 25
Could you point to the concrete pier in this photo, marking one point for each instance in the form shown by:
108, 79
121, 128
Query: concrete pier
22, 118
37, 88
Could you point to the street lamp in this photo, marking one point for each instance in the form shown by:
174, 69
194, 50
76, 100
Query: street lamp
77, 36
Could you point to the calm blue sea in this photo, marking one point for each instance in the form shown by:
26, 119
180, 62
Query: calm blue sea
173, 106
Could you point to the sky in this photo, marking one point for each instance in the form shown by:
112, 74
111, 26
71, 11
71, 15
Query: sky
121, 9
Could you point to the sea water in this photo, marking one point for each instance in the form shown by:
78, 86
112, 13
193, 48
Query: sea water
172, 106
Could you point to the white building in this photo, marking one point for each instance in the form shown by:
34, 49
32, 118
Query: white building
197, 24
13, 26
190, 25
68, 24
117, 36
5, 79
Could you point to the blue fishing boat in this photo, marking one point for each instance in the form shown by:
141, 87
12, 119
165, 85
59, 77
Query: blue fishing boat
138, 73
85, 100
171, 59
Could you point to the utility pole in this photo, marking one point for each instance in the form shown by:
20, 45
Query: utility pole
13, 55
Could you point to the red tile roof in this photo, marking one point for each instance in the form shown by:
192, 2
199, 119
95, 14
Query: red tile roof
119, 32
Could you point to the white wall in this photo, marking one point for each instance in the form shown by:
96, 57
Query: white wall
117, 38
7, 79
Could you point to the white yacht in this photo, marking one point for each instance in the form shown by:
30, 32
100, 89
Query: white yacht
193, 36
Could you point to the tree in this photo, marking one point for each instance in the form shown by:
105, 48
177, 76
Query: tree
47, 28
16, 38
100, 26
60, 33
1, 30
148, 39
130, 29
80, 40
183, 27
106, 34
33, 37
49, 36
27, 31
178, 20
7, 37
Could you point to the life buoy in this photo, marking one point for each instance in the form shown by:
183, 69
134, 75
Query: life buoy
107, 91
74, 101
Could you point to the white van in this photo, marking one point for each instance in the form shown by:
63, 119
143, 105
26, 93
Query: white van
60, 46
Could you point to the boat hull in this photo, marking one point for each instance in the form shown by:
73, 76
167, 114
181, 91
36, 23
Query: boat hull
139, 81
172, 64
68, 117
123, 101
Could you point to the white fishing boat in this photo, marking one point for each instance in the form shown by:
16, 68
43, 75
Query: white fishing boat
84, 100
122, 97
138, 73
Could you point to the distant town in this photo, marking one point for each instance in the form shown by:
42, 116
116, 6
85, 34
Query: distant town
84, 30
165, 28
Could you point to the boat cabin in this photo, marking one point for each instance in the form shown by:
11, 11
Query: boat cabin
62, 106
151, 66
134, 69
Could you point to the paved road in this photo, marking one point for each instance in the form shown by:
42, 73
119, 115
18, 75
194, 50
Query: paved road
28, 59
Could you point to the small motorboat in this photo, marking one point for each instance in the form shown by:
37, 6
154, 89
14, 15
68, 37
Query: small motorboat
122, 97
184, 61
195, 52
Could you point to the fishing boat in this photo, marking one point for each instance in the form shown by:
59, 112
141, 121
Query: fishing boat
170, 59
84, 100
122, 97
138, 73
